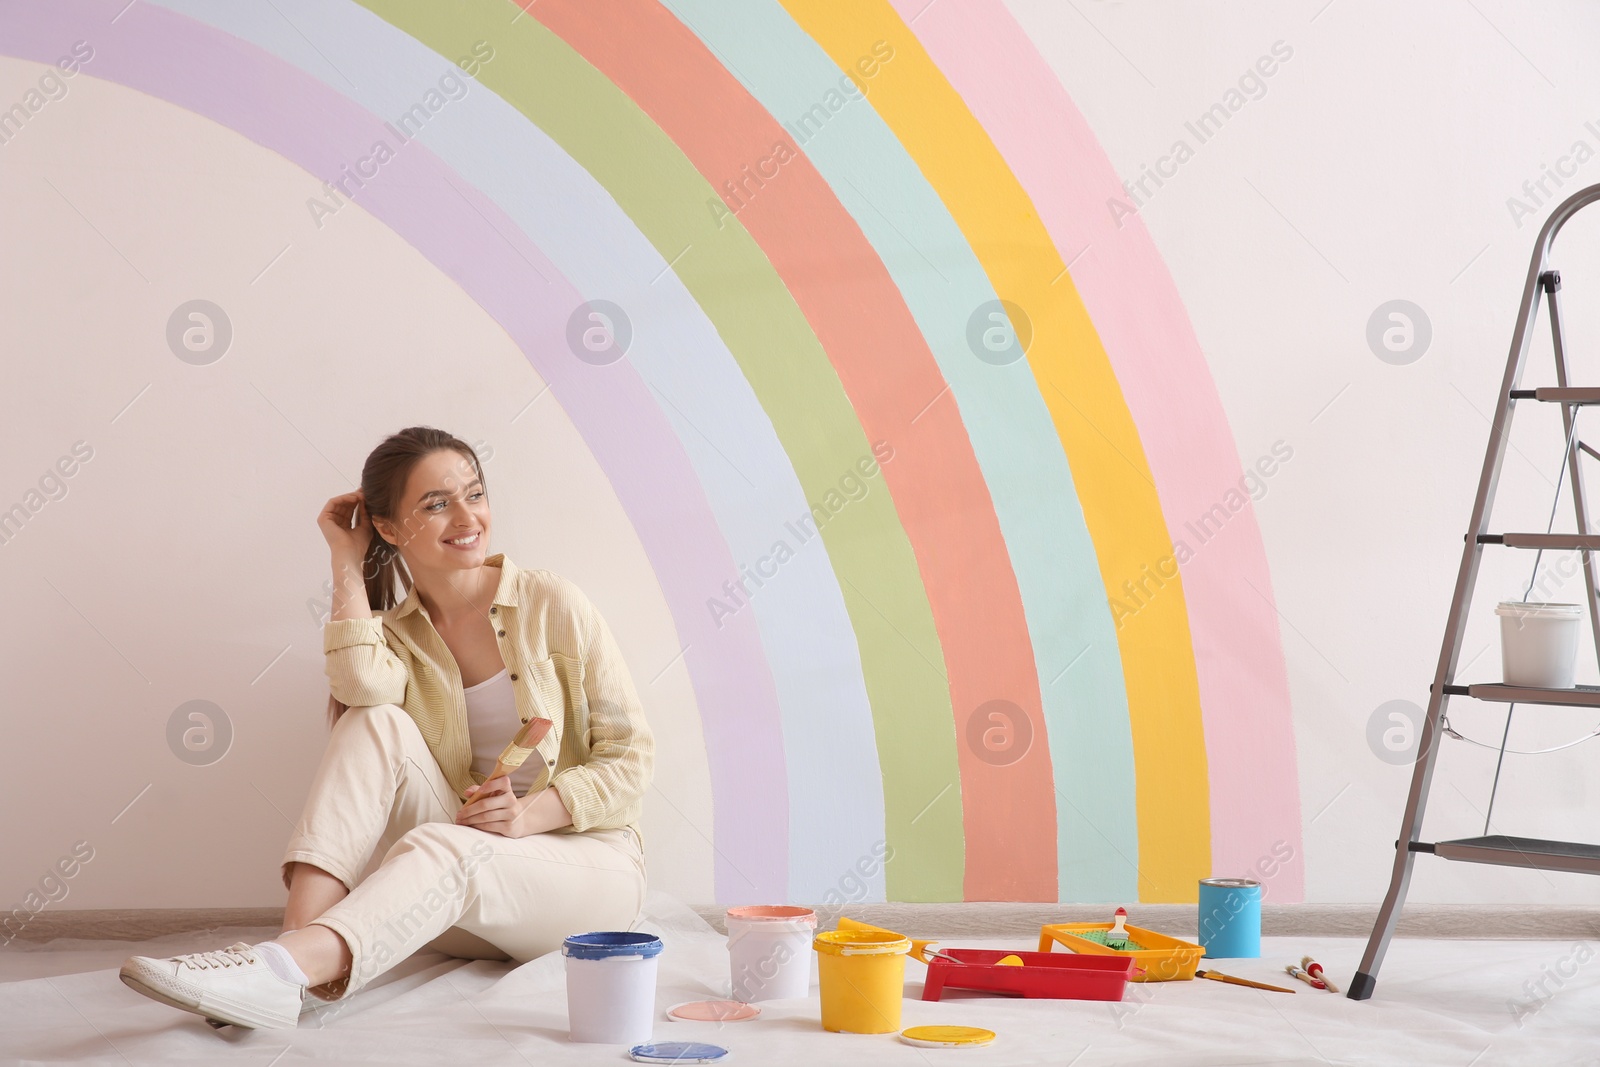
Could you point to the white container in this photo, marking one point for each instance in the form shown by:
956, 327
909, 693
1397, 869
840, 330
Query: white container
769, 951
1539, 643
611, 986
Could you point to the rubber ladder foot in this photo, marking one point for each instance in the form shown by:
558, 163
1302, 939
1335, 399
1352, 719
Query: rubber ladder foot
1361, 986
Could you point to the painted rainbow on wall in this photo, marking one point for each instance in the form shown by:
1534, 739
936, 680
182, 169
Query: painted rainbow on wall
962, 670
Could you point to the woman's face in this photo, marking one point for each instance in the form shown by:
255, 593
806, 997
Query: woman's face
444, 501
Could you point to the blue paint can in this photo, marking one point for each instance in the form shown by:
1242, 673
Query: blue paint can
1230, 918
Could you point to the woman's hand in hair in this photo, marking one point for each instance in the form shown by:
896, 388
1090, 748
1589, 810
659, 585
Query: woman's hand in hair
348, 542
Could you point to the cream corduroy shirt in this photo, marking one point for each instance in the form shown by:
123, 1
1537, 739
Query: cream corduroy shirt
564, 665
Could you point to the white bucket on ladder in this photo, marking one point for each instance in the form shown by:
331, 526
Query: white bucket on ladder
1539, 643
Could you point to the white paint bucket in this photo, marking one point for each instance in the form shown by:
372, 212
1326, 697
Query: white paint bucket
1539, 643
611, 986
769, 951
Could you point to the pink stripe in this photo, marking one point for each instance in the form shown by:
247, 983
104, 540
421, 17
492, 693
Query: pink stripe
1124, 284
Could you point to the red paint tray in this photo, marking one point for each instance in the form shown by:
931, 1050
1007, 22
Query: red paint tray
1056, 975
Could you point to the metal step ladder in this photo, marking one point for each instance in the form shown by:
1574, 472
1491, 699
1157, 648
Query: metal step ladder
1498, 848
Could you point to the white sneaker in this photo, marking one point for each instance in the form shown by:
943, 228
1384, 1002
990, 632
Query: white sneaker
309, 1003
232, 985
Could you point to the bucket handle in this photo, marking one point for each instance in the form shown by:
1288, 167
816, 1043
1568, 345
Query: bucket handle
919, 946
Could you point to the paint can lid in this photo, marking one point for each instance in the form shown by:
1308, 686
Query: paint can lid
946, 1036
713, 1011
783, 914
1230, 883
1532, 609
612, 944
678, 1052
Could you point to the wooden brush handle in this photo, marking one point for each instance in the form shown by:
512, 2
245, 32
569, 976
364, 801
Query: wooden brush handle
532, 732
1218, 976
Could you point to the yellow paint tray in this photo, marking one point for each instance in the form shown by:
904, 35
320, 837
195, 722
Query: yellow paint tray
1162, 958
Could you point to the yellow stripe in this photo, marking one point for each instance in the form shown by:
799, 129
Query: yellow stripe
1108, 464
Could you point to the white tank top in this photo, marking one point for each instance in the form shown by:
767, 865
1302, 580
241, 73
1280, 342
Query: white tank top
492, 721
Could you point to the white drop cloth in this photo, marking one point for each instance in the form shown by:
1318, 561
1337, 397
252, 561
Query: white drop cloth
1438, 1002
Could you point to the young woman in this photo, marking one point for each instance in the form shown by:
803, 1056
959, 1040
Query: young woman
424, 696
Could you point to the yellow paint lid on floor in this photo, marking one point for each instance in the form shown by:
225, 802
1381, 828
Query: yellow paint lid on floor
946, 1036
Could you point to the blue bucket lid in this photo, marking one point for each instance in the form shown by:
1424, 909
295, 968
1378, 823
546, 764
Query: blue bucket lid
678, 1052
609, 944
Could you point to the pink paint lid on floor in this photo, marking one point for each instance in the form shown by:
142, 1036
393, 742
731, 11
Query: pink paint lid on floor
713, 1011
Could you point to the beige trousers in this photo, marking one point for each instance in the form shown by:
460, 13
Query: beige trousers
381, 818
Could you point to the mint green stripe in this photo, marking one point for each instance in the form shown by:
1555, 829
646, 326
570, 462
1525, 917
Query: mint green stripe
734, 283
1069, 621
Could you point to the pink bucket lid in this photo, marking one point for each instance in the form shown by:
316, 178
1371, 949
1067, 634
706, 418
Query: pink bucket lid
773, 913
713, 1011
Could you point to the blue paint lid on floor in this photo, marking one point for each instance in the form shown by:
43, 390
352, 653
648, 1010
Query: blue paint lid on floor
678, 1052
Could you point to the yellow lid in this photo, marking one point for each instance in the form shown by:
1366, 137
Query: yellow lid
861, 942
946, 1036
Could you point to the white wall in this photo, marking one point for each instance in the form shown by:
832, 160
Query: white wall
1376, 165
180, 561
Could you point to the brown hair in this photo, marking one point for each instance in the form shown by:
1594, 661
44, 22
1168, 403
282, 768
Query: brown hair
383, 483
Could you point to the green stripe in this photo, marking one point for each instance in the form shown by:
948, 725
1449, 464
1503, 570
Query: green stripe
738, 289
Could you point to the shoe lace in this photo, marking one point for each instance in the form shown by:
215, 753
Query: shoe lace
233, 955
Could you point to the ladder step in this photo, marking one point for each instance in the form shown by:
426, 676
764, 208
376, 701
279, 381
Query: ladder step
1551, 395
1523, 852
1586, 542
1581, 696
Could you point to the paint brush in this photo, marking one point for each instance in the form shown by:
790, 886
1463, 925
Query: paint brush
516, 753
1314, 969
1218, 976
1304, 976
1117, 936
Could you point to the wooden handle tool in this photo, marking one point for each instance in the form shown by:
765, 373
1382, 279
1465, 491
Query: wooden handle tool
1218, 976
1314, 969
516, 753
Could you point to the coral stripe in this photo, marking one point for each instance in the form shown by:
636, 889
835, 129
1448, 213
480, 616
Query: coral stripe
884, 364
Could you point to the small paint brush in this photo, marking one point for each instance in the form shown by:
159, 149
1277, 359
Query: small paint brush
516, 753
1117, 936
1218, 976
1314, 969
1304, 976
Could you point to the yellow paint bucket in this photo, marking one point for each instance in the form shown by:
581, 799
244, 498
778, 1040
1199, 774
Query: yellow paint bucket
862, 977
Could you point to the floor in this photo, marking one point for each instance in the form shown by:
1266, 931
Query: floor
1463, 1003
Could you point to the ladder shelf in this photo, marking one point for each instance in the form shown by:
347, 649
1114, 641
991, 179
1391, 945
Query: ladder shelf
1504, 851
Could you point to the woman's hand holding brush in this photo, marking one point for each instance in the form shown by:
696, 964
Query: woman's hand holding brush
502, 812
495, 808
